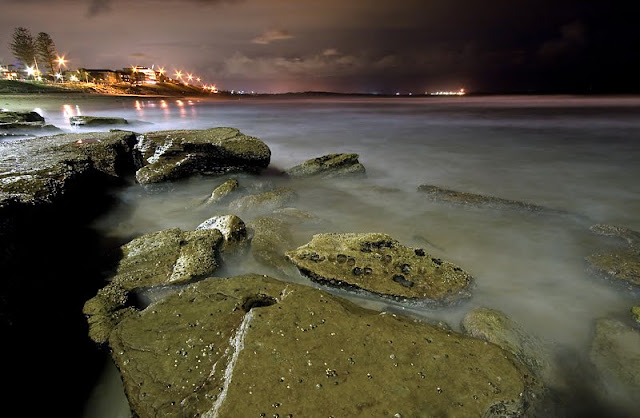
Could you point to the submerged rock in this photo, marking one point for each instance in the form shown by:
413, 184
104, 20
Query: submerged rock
271, 238
439, 194
494, 326
615, 352
328, 166
379, 264
162, 258
171, 155
20, 117
92, 121
254, 346
265, 202
222, 192
635, 312
621, 263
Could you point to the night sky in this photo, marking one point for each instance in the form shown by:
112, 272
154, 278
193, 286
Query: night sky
383, 46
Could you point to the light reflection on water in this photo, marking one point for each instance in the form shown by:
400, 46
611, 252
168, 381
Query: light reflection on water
579, 155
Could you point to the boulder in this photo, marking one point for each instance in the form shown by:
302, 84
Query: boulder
232, 229
438, 194
264, 202
619, 264
379, 264
328, 166
171, 155
271, 238
94, 121
497, 328
253, 346
616, 355
158, 259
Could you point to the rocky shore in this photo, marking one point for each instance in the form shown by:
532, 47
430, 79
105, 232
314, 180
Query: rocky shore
277, 342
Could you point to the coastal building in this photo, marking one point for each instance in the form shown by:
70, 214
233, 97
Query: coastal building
102, 76
8, 72
139, 75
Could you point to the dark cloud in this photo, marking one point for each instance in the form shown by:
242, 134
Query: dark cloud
97, 7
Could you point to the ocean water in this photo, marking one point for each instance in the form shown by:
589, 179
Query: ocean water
577, 154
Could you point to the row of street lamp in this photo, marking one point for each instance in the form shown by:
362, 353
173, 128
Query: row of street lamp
62, 62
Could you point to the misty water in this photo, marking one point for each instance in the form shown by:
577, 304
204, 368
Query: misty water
576, 154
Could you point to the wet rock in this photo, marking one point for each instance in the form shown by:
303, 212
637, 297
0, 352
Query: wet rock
296, 215
26, 129
328, 166
438, 194
379, 264
93, 121
620, 264
171, 155
630, 236
222, 192
162, 258
264, 202
271, 238
615, 353
233, 230
43, 170
497, 328
249, 346
20, 117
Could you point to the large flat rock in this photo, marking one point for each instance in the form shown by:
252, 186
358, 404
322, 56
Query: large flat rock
253, 346
171, 155
380, 264
40, 170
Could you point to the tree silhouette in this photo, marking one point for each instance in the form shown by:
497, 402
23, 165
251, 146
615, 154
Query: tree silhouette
46, 51
23, 46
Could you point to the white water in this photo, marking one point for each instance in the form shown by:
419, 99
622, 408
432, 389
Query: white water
577, 154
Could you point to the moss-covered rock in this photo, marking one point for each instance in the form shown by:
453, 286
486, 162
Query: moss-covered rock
93, 121
264, 202
379, 264
494, 326
161, 258
271, 238
635, 312
171, 155
620, 264
615, 351
222, 192
328, 166
254, 346
438, 194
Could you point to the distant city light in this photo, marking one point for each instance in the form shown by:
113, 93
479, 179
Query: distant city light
460, 92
